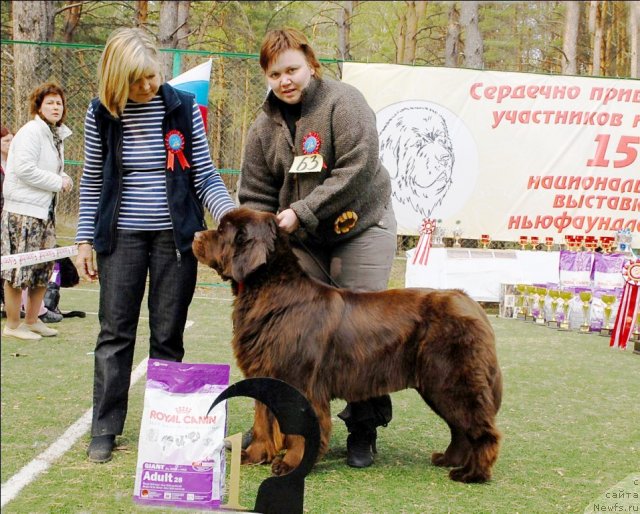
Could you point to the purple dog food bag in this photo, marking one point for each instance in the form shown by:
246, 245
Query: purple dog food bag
181, 449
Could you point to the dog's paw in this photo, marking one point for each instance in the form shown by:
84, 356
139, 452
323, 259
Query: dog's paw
254, 455
468, 476
439, 459
279, 467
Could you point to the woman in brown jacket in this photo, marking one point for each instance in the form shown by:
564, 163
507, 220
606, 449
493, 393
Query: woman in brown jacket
311, 157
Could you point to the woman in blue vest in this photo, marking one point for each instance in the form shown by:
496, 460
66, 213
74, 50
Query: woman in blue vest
146, 176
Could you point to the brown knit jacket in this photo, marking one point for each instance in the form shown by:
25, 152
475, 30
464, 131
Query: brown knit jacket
354, 179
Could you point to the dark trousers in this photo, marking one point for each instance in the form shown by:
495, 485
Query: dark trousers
362, 263
123, 279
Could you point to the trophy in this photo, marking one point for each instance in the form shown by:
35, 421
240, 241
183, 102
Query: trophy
590, 243
608, 300
548, 242
534, 242
566, 298
529, 290
555, 296
457, 234
524, 241
485, 240
542, 293
585, 296
570, 242
521, 288
579, 240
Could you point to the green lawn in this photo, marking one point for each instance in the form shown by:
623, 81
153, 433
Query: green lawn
570, 419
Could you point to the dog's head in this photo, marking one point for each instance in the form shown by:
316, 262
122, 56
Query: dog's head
241, 244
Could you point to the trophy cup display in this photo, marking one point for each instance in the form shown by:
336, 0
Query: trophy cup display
555, 296
585, 296
522, 289
566, 298
457, 235
529, 292
608, 300
539, 317
484, 241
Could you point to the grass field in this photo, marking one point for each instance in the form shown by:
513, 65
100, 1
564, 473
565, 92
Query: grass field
570, 419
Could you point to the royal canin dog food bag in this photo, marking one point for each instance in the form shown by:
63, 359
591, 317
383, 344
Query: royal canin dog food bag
181, 455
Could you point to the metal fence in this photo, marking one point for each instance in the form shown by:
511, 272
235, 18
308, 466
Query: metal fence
237, 90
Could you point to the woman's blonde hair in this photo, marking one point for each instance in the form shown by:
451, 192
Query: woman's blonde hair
129, 54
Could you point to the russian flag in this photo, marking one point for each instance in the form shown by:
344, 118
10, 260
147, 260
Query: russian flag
196, 82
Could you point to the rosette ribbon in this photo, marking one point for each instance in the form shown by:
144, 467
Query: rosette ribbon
628, 305
421, 254
174, 141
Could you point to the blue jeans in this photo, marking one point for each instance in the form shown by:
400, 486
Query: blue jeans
123, 278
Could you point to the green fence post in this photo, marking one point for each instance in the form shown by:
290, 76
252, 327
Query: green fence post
176, 63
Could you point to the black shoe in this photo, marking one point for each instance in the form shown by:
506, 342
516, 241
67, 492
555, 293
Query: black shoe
101, 447
361, 445
51, 317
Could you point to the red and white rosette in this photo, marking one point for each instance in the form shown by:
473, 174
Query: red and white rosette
421, 254
174, 142
628, 305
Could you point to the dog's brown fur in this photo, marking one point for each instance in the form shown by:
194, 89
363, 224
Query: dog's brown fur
335, 343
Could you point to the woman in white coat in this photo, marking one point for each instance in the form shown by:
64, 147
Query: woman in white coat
33, 177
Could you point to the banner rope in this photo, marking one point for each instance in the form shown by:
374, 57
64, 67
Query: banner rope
19, 260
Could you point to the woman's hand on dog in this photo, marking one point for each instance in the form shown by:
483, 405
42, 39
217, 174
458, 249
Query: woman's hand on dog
288, 220
85, 262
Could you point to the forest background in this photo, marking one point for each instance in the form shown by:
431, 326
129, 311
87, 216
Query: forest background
63, 40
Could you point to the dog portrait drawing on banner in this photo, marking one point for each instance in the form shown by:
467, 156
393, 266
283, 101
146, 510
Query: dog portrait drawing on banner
417, 150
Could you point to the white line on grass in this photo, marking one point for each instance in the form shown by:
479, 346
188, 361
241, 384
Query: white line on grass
41, 463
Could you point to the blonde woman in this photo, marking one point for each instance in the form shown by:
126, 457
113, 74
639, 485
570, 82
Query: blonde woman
146, 176
33, 178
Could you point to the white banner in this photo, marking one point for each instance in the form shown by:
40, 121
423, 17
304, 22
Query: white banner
507, 154
18, 260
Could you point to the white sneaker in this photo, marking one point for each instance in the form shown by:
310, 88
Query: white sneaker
21, 333
40, 328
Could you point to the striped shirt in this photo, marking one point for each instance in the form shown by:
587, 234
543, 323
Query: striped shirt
144, 197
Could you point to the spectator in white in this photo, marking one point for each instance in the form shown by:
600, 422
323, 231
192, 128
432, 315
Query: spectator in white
147, 174
34, 176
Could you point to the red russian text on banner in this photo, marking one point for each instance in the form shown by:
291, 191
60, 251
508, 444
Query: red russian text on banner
628, 305
421, 254
174, 141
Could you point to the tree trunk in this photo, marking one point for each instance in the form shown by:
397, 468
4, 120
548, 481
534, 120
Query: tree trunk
570, 42
598, 32
473, 48
415, 11
71, 20
452, 43
142, 12
634, 40
401, 38
344, 32
172, 31
32, 21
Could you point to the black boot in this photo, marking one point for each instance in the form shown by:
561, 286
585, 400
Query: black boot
101, 447
362, 419
361, 445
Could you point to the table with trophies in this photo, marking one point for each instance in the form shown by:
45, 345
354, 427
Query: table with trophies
575, 288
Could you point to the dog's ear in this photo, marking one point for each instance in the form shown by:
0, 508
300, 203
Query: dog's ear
253, 243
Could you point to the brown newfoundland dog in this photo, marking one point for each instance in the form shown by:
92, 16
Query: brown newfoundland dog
335, 343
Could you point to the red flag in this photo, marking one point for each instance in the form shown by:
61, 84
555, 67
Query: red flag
628, 305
